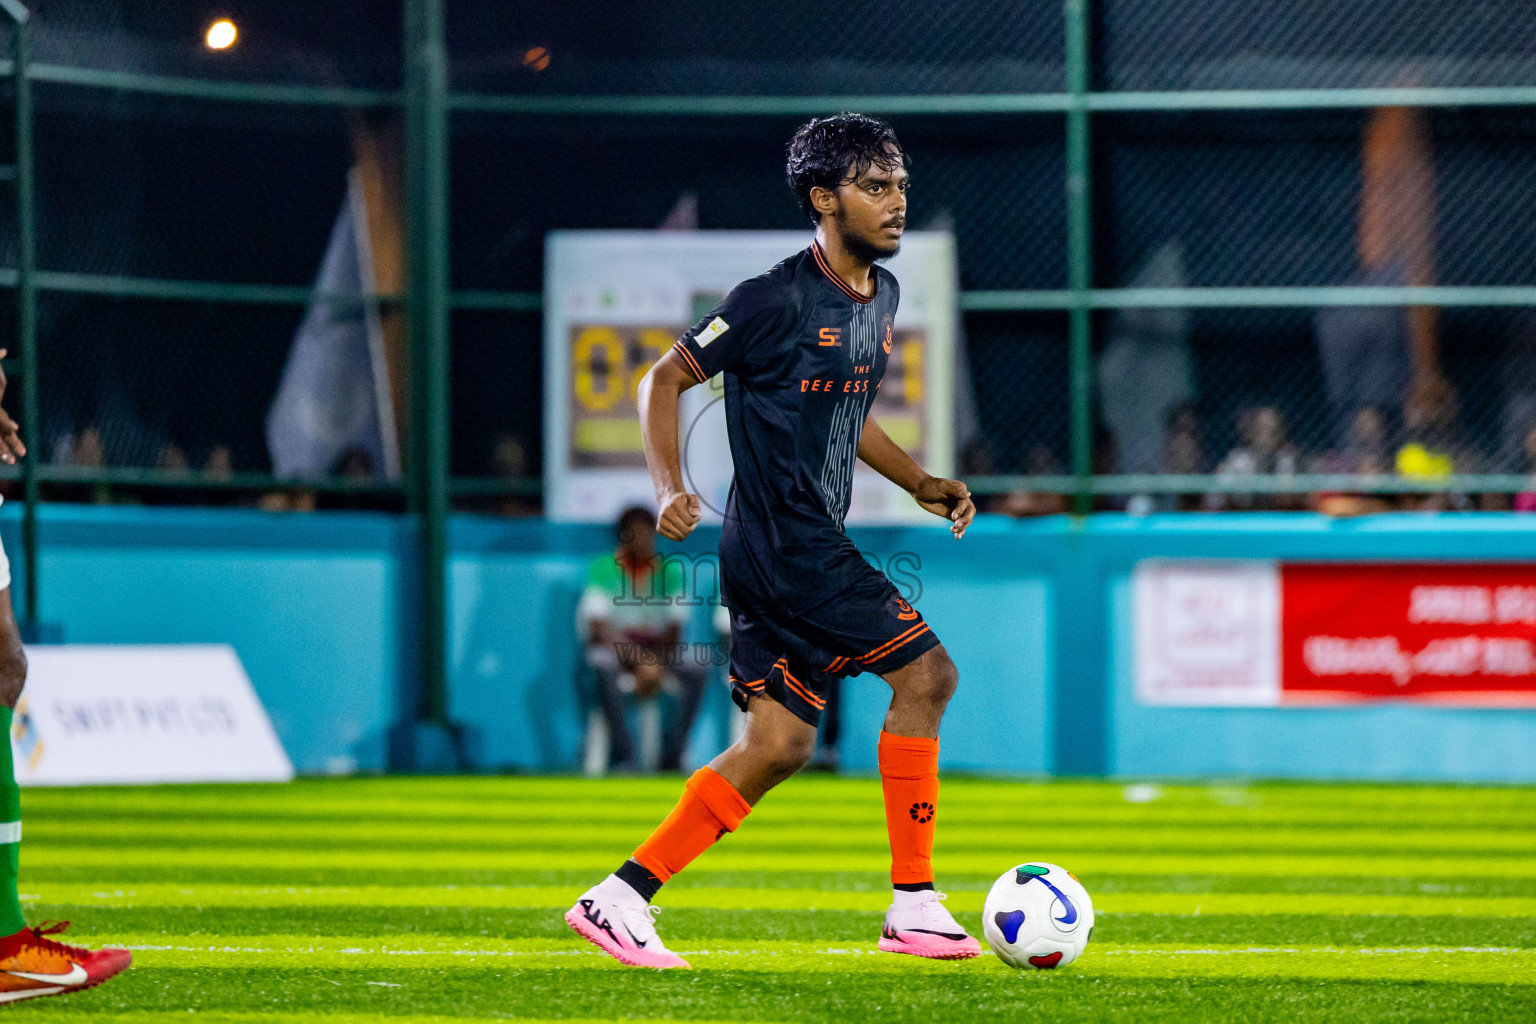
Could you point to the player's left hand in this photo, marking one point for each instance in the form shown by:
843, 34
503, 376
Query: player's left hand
11, 447
948, 498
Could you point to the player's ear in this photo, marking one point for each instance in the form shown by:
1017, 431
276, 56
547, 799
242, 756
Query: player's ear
823, 200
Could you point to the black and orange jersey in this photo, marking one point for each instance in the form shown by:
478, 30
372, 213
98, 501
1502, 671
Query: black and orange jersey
802, 355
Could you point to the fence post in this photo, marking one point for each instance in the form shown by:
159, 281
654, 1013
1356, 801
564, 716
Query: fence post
1080, 249
26, 308
426, 175
1079, 729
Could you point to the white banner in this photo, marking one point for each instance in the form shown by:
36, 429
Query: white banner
1207, 634
94, 715
615, 301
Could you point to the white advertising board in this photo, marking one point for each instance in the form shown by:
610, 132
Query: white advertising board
1207, 634
614, 303
101, 715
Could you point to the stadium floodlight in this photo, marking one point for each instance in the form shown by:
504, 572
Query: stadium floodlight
221, 35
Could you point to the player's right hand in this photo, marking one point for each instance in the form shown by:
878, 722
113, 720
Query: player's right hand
678, 516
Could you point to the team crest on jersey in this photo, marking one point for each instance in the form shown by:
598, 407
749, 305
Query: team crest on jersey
886, 323
716, 328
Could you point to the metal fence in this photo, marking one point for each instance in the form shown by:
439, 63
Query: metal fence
1160, 208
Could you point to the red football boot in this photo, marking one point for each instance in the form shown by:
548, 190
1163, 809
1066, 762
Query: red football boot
31, 964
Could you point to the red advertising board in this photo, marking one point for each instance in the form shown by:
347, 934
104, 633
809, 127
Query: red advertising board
1461, 634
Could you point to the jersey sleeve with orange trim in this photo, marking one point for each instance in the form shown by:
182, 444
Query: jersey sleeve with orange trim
742, 334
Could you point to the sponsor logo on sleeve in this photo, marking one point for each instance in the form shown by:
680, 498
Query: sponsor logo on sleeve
716, 328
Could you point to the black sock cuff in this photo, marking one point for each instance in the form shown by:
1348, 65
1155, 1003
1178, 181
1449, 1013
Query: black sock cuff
912, 886
633, 874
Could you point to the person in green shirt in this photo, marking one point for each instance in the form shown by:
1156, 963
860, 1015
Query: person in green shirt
632, 622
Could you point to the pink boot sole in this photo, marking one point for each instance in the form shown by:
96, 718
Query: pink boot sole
634, 957
948, 950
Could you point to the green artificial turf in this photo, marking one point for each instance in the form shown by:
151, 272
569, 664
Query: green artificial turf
353, 901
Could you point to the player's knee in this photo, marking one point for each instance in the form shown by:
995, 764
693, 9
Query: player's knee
940, 680
13, 673
786, 754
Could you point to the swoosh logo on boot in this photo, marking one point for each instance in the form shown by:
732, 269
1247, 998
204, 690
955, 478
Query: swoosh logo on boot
74, 976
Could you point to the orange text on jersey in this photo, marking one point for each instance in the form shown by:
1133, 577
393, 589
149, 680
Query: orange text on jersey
828, 385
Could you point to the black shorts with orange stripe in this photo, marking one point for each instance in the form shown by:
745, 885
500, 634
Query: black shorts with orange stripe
789, 657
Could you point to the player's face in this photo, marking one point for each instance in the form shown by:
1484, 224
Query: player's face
872, 212
640, 538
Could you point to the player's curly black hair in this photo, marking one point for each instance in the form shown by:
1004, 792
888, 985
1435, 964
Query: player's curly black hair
823, 150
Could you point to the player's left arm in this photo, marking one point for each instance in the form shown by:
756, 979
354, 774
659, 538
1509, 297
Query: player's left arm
948, 498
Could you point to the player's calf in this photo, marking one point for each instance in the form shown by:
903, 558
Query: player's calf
13, 669
917, 922
775, 745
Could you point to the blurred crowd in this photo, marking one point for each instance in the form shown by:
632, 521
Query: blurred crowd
1388, 408
1377, 402
1421, 447
212, 479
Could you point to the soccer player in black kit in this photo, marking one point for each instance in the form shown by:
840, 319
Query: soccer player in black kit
803, 349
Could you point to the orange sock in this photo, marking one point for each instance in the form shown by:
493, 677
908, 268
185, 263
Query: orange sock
909, 774
710, 807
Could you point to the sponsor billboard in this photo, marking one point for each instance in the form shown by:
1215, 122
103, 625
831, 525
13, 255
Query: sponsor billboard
1256, 633
120, 714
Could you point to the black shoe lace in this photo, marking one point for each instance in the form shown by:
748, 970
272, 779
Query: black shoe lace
40, 939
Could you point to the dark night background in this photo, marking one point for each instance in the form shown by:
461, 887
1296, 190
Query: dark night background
152, 186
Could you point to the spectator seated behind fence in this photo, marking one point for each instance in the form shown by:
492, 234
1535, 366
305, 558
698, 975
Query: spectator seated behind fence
509, 464
1434, 449
1183, 455
1183, 446
1040, 460
1519, 379
632, 627
1525, 501
1367, 451
1264, 450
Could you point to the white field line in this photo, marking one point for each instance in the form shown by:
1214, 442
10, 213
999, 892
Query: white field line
840, 951
1336, 950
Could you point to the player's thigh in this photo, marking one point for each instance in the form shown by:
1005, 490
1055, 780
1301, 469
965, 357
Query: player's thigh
931, 677
866, 627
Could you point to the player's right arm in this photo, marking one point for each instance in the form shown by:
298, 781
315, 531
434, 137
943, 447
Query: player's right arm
729, 338
659, 393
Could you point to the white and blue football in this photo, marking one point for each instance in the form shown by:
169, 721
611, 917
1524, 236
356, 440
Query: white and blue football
1037, 915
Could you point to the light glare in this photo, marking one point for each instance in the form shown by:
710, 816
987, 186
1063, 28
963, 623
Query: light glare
222, 34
